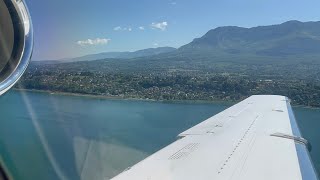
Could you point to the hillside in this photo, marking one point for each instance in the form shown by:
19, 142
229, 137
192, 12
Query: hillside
292, 38
227, 63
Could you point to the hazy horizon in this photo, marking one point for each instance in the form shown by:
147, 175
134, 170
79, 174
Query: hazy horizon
76, 28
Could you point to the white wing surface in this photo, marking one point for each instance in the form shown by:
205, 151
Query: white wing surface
257, 138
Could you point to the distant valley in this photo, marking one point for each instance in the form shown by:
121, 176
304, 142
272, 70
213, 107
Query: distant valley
126, 55
118, 55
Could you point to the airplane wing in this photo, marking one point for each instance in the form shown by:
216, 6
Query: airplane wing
257, 138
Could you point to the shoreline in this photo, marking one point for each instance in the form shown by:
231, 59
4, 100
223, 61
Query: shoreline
227, 103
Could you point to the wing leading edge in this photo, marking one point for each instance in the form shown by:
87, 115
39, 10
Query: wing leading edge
257, 138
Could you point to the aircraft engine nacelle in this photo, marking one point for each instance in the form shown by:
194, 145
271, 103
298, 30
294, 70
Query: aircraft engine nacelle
16, 42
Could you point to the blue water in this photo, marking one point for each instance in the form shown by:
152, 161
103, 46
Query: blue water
45, 136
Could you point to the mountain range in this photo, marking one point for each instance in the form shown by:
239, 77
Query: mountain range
288, 43
289, 38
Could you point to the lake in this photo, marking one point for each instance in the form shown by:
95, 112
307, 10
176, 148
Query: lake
48, 136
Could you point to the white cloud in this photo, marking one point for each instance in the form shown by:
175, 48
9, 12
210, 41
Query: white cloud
161, 25
93, 42
155, 44
141, 28
118, 28
173, 3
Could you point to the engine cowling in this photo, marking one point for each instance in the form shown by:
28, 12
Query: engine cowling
16, 42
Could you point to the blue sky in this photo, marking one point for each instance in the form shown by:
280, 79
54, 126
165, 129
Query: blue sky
71, 28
